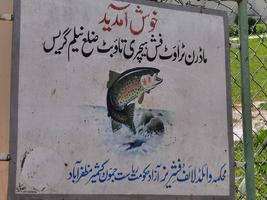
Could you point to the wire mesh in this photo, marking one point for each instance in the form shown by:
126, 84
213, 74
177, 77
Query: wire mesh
257, 12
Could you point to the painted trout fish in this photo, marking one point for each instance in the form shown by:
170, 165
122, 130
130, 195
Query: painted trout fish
125, 88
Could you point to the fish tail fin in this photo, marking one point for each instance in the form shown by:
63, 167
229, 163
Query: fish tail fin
115, 125
130, 113
112, 77
132, 127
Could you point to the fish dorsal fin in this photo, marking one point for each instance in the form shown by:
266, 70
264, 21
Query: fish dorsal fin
130, 113
141, 98
112, 77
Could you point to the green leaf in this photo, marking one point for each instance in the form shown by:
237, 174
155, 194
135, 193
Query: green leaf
263, 167
261, 136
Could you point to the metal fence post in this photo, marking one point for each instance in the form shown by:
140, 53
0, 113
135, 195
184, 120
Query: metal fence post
246, 99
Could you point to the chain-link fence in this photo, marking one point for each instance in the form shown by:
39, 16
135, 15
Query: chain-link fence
257, 22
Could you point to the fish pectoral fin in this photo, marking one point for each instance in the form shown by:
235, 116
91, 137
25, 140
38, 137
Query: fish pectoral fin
115, 125
141, 97
112, 77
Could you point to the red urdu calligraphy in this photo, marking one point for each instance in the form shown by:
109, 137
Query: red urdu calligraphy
153, 22
105, 21
118, 7
118, 21
137, 32
122, 17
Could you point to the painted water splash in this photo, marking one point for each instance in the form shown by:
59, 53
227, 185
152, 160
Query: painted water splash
151, 127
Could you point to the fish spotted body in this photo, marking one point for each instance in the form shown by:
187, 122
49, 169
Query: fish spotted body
127, 91
126, 87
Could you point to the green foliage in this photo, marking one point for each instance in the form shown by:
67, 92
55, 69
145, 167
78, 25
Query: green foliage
260, 167
251, 24
260, 29
261, 137
233, 30
256, 61
264, 167
263, 106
